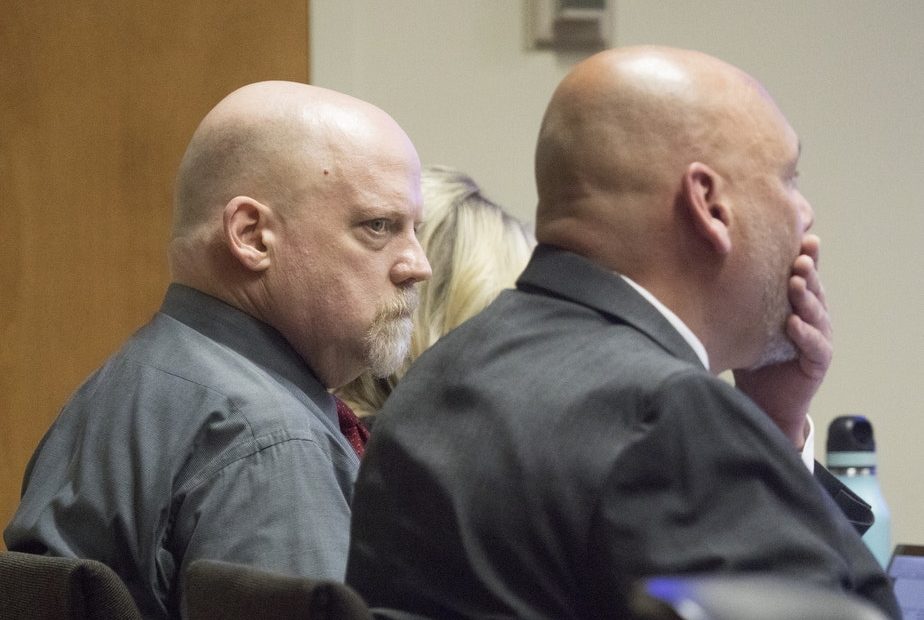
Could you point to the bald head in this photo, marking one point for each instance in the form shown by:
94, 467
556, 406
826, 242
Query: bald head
618, 134
260, 140
678, 170
298, 205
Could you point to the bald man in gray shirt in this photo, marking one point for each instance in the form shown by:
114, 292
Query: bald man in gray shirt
212, 432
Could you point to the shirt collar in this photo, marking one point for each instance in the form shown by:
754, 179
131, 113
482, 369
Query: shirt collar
244, 334
808, 451
674, 320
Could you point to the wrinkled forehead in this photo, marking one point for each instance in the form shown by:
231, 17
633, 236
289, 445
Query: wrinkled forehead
341, 148
369, 166
364, 135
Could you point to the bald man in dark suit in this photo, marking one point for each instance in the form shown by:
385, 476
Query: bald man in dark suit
574, 437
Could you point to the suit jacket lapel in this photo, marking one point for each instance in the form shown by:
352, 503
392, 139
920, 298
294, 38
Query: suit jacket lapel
566, 275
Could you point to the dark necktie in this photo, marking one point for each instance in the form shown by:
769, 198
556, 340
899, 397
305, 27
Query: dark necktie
352, 427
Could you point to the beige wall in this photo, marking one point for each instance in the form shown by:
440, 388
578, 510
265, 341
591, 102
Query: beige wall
849, 74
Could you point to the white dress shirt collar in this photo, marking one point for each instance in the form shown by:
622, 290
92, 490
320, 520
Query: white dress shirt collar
808, 451
674, 320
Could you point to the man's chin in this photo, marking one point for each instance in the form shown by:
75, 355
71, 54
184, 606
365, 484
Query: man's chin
388, 345
779, 350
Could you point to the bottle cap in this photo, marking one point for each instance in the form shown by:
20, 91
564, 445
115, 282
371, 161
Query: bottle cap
851, 433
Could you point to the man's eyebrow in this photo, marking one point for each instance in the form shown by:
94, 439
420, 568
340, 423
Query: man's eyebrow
381, 212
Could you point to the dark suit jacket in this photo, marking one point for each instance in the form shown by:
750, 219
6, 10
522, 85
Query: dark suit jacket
568, 441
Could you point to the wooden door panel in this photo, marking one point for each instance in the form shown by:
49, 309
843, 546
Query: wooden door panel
97, 102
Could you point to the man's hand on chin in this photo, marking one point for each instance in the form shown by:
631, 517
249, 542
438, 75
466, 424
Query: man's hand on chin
785, 390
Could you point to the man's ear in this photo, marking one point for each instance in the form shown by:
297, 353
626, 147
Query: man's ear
704, 195
248, 232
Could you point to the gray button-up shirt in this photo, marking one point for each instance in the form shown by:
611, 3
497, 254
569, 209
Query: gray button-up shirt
205, 436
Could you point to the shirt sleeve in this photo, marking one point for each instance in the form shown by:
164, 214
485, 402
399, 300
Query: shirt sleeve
808, 450
710, 484
283, 507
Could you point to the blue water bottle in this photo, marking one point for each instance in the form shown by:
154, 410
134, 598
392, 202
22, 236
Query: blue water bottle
852, 458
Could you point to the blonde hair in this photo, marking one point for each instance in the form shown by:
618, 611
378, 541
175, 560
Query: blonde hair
475, 249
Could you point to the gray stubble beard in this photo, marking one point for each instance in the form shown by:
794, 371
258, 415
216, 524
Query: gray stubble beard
388, 339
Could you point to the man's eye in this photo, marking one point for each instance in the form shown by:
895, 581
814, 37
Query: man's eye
378, 226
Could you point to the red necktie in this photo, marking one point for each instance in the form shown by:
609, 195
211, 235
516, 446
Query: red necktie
352, 427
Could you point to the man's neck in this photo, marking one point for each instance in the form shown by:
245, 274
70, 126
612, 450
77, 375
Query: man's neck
678, 324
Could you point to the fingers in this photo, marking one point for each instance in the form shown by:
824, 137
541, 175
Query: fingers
815, 347
805, 268
809, 327
807, 297
811, 247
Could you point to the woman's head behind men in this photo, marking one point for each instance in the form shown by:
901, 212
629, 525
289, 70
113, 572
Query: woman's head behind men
475, 249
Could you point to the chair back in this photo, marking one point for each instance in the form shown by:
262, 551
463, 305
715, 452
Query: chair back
229, 591
51, 588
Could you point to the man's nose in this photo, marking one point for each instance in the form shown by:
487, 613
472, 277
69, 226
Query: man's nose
412, 266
